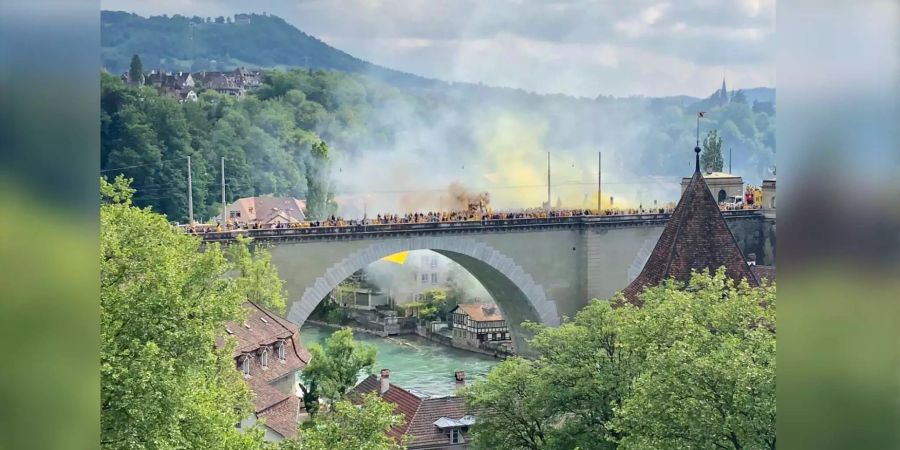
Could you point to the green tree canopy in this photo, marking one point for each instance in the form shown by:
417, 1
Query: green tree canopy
694, 367
337, 363
258, 279
164, 384
711, 160
136, 70
349, 426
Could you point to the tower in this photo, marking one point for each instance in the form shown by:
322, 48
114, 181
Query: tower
723, 94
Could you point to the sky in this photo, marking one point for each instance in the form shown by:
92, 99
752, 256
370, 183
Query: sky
576, 47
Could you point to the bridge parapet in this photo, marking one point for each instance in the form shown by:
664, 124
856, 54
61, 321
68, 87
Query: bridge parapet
353, 232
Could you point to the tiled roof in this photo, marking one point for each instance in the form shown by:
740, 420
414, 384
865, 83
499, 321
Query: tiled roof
764, 272
282, 417
419, 413
695, 238
481, 312
263, 209
264, 328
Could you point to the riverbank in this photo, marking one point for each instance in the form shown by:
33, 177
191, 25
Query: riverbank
416, 363
422, 332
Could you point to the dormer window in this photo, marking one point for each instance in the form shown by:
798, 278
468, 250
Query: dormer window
245, 365
455, 436
264, 357
279, 348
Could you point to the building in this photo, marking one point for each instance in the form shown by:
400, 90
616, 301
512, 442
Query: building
477, 323
267, 210
695, 238
431, 423
356, 292
768, 195
723, 185
269, 354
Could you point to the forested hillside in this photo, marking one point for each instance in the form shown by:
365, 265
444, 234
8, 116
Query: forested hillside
220, 43
397, 139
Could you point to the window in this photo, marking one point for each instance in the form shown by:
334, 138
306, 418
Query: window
424, 277
264, 357
434, 262
455, 437
280, 349
773, 202
722, 195
434, 278
415, 276
245, 365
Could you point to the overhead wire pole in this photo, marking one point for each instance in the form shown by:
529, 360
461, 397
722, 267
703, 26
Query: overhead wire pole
190, 195
224, 207
599, 180
548, 180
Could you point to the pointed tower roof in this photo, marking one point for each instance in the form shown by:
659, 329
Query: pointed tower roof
695, 238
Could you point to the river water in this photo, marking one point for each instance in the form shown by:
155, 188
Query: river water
416, 364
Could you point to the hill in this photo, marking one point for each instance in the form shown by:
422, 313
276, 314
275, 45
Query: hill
252, 40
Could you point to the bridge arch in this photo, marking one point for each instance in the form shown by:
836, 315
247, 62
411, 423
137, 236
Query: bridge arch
516, 293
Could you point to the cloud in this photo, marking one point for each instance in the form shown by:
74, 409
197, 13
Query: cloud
578, 47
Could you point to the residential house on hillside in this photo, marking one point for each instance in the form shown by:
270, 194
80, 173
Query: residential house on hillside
431, 423
477, 323
267, 210
269, 354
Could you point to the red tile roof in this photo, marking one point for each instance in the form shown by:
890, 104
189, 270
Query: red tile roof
695, 238
263, 328
481, 312
419, 413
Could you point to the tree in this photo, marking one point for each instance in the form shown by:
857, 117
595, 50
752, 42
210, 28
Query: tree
694, 367
707, 357
348, 426
711, 160
319, 201
258, 279
513, 400
163, 302
336, 364
136, 71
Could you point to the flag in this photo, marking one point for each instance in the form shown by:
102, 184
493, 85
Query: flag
701, 113
396, 258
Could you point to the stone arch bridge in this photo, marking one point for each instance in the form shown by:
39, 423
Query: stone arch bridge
535, 269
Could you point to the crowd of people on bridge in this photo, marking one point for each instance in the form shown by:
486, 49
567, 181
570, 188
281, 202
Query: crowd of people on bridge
429, 217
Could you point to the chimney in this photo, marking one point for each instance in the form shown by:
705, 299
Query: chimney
385, 380
460, 379
488, 309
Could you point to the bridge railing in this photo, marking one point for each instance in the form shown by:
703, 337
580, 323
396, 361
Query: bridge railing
487, 224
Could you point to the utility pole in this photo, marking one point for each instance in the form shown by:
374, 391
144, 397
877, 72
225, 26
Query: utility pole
224, 206
548, 180
729, 160
190, 194
599, 180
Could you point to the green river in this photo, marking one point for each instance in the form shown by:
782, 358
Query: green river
417, 364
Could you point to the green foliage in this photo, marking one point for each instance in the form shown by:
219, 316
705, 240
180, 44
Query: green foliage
349, 426
336, 364
694, 367
258, 279
164, 384
136, 70
117, 192
515, 412
707, 357
436, 304
711, 160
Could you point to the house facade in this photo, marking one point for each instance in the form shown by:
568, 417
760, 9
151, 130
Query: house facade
477, 323
723, 185
269, 354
